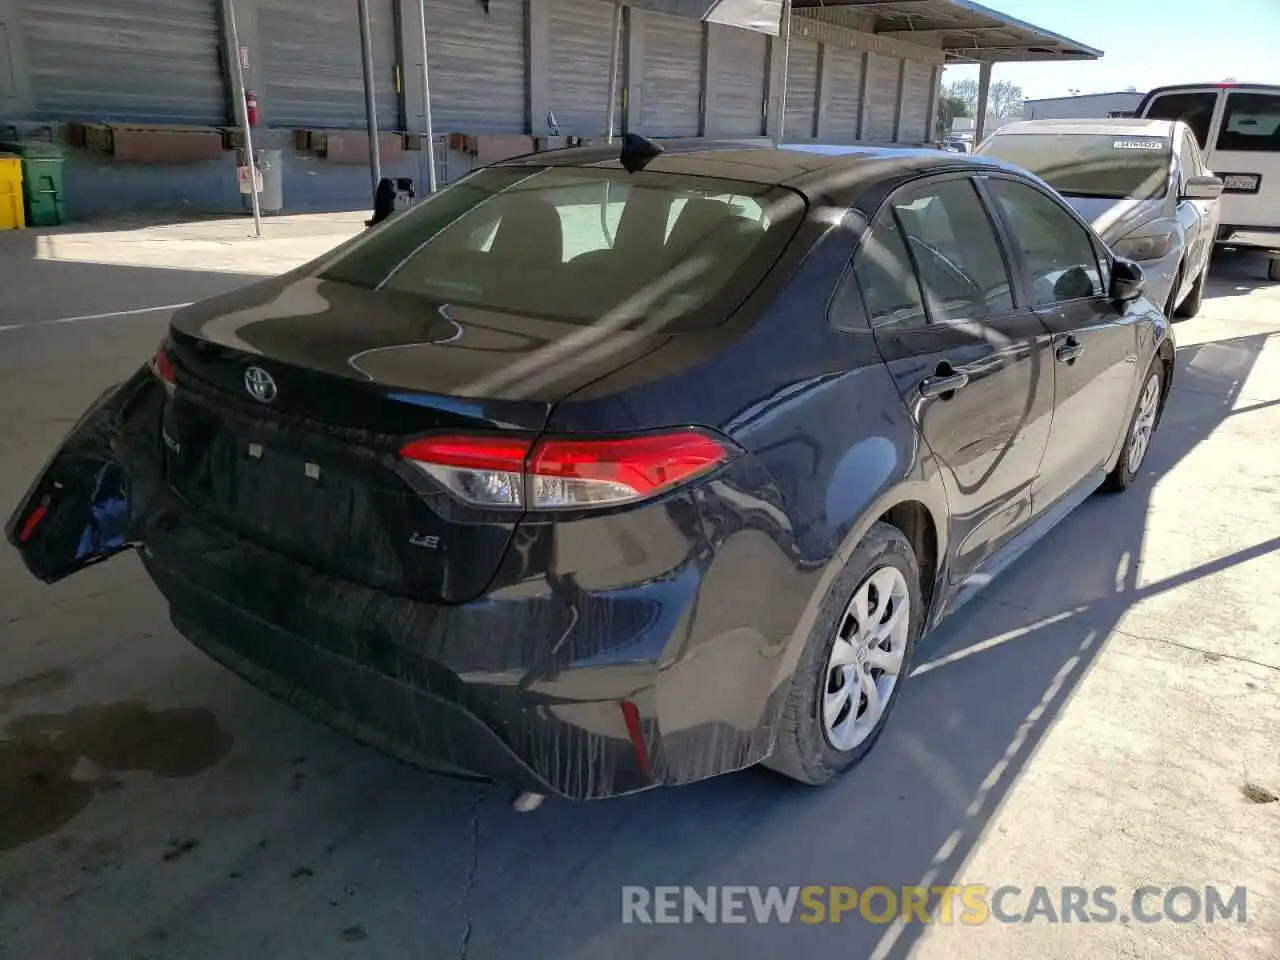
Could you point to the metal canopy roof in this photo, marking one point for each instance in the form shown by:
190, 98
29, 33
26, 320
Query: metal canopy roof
967, 32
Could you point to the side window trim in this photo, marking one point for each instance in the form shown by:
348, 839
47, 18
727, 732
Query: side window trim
1102, 263
1016, 289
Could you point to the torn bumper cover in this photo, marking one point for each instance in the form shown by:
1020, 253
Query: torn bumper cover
481, 689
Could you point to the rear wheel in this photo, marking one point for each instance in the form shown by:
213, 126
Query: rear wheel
1142, 428
854, 663
1191, 306
1273, 268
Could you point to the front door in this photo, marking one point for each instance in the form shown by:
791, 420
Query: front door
970, 360
1095, 348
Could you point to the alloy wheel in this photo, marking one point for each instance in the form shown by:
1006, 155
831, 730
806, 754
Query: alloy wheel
1144, 423
866, 658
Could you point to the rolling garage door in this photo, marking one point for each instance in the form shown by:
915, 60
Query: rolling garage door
477, 64
916, 80
843, 94
311, 63
741, 74
671, 81
579, 36
882, 98
146, 61
802, 90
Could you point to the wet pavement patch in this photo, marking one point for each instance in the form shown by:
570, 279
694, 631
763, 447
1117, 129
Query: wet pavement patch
37, 685
52, 765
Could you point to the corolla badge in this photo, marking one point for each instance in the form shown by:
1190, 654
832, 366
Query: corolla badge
260, 384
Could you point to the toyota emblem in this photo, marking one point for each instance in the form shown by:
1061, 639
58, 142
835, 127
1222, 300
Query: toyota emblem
260, 384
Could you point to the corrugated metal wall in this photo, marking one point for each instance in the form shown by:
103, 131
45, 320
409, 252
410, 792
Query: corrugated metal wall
802, 90
579, 66
882, 94
311, 63
477, 63
671, 81
916, 82
148, 61
741, 78
843, 94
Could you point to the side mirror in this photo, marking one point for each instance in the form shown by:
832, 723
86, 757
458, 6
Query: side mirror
1202, 188
1127, 281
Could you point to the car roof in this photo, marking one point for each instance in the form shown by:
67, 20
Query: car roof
808, 168
1128, 126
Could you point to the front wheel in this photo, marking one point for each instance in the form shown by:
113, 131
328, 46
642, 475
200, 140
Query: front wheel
1142, 428
855, 661
1191, 306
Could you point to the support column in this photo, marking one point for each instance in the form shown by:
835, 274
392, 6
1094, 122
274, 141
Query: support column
538, 50
633, 69
864, 94
901, 104
984, 90
935, 90
824, 88
712, 71
250, 54
409, 50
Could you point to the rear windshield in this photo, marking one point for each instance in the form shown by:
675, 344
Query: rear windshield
581, 245
1193, 107
1115, 166
1251, 123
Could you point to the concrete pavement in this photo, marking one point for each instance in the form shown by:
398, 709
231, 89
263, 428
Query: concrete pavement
1094, 719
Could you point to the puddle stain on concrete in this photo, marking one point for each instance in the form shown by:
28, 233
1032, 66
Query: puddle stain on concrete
37, 685
45, 781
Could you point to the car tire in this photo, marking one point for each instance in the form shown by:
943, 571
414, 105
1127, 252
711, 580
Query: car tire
815, 742
1145, 418
1191, 306
1273, 268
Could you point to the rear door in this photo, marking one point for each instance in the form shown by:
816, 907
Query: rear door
1095, 348
967, 355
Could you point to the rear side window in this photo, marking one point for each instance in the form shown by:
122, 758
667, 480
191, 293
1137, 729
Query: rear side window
954, 247
883, 270
1251, 123
580, 245
1193, 109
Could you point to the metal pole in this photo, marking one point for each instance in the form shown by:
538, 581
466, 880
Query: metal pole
430, 151
370, 101
238, 73
786, 56
614, 54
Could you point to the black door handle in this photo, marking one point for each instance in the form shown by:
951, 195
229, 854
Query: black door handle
1070, 351
945, 381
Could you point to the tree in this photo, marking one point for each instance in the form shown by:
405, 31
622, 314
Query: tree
1004, 98
1004, 102
949, 108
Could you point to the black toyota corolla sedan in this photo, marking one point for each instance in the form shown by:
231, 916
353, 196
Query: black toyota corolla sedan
591, 474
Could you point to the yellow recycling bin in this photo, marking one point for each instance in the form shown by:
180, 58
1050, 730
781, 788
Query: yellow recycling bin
12, 216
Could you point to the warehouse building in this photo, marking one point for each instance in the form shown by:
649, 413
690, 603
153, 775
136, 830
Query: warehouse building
1085, 106
139, 92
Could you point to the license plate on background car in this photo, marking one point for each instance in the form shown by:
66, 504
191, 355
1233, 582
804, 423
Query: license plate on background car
1240, 182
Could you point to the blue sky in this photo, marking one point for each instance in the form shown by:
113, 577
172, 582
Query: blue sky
1146, 43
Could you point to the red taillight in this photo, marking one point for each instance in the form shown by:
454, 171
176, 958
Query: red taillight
162, 367
33, 521
562, 473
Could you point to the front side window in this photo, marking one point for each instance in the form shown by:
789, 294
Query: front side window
953, 245
1251, 123
580, 244
1057, 251
1193, 109
1108, 166
1188, 158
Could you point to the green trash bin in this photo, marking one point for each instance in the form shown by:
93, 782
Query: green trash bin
43, 193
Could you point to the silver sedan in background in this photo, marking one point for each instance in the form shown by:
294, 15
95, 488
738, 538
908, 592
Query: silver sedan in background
1142, 184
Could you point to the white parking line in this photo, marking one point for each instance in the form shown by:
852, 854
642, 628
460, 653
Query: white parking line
92, 316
